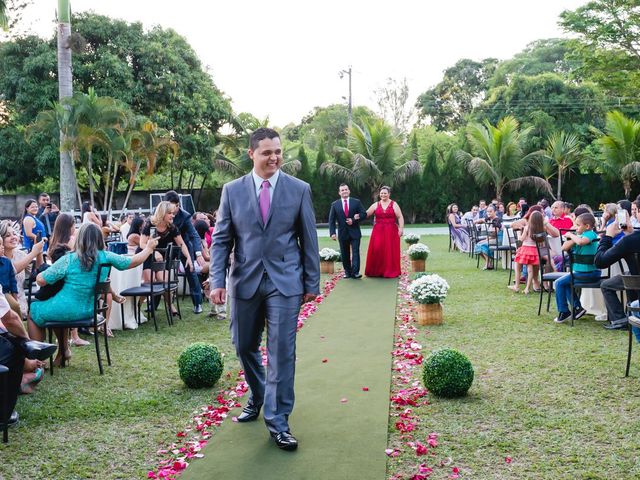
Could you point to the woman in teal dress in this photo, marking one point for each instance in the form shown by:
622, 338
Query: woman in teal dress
79, 270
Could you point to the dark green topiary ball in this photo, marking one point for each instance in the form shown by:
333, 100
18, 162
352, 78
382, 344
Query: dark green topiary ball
200, 365
447, 373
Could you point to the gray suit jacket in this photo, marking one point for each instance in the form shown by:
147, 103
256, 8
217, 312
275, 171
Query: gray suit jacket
286, 246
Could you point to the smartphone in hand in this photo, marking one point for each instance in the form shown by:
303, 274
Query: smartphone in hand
152, 232
622, 219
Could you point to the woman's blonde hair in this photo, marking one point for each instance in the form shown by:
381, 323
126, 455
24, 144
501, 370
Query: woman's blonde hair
6, 226
162, 209
611, 209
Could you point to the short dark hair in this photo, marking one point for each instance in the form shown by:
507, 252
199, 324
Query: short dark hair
172, 196
580, 210
43, 194
260, 134
342, 185
587, 219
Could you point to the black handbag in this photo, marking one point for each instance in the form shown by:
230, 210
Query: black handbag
49, 290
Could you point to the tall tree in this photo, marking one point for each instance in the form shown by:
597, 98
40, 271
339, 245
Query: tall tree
497, 156
393, 106
4, 19
620, 149
68, 185
463, 87
563, 152
374, 161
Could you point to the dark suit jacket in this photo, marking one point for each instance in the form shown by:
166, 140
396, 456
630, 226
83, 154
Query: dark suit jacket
286, 246
182, 221
336, 214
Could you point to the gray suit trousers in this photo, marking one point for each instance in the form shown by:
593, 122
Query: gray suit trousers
248, 318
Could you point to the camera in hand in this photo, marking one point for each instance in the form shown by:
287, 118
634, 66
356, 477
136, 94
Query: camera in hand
49, 205
622, 219
38, 237
152, 232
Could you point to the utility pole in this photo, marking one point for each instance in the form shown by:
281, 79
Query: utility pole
342, 73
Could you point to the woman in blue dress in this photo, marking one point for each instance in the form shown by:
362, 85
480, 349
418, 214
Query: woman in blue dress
32, 226
78, 269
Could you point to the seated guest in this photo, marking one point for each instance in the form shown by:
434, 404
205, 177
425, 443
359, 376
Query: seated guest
482, 247
133, 237
125, 224
609, 216
568, 207
500, 210
202, 228
459, 232
583, 242
482, 208
15, 349
607, 255
512, 209
167, 233
635, 214
471, 215
78, 269
546, 210
20, 259
63, 241
8, 282
90, 214
558, 218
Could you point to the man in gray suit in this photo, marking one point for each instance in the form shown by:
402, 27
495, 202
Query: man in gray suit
267, 218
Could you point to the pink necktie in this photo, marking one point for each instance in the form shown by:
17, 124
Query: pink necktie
346, 208
265, 200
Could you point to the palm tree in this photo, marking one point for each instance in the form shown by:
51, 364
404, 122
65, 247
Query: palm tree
374, 159
4, 20
96, 117
65, 90
497, 156
561, 154
620, 149
145, 145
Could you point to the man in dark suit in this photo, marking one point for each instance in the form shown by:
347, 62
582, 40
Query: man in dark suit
267, 218
47, 212
347, 212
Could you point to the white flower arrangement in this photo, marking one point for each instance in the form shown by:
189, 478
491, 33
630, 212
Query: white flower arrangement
411, 238
329, 255
429, 289
418, 251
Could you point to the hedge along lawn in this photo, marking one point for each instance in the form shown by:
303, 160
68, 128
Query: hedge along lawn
550, 397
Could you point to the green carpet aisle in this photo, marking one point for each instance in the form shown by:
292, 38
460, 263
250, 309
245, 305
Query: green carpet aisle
353, 331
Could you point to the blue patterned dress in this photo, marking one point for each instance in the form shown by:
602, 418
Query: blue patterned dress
75, 300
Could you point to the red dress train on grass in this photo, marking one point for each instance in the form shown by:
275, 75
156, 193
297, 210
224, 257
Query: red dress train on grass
383, 256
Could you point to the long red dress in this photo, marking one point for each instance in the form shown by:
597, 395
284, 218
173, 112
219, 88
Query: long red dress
383, 256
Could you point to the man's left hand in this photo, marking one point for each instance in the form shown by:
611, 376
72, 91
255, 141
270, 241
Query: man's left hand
308, 297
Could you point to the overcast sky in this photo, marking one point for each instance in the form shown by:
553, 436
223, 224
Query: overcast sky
281, 58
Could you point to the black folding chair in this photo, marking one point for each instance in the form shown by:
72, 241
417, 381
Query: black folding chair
577, 283
4, 409
150, 291
631, 285
547, 272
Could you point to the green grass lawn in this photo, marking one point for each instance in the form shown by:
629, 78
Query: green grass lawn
549, 396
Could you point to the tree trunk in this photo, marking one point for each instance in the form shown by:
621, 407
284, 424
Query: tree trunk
204, 180
180, 179
131, 185
90, 174
68, 182
559, 185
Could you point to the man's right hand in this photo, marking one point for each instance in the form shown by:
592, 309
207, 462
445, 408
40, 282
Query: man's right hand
333, 237
218, 296
612, 230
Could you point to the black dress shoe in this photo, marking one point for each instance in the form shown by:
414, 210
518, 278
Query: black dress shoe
285, 440
619, 325
35, 350
249, 414
13, 419
357, 275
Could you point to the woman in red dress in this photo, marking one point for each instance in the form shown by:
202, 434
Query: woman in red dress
383, 256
